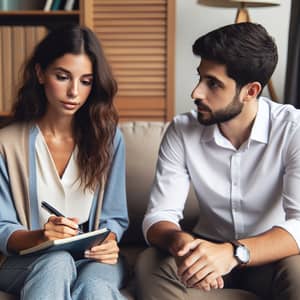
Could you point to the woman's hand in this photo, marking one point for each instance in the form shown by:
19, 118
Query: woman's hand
60, 228
107, 252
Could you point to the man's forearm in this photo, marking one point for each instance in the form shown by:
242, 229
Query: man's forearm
270, 246
168, 236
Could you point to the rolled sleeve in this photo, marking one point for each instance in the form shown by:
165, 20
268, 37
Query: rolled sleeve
9, 222
292, 227
171, 183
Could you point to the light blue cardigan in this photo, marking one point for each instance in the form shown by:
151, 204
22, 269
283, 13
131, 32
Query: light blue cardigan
18, 190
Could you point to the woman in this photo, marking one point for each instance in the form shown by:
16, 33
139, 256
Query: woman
64, 148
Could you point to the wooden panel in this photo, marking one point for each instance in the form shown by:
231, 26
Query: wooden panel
17, 43
134, 34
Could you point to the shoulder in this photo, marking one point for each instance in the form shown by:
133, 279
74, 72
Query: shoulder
14, 135
283, 114
118, 138
186, 125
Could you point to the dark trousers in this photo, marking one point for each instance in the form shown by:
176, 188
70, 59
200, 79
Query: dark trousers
157, 279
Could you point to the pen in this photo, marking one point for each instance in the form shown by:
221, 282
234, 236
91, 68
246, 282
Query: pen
54, 211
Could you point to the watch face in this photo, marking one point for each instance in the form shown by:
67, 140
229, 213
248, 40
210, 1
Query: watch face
242, 253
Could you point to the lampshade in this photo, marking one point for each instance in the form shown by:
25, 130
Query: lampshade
257, 3
237, 3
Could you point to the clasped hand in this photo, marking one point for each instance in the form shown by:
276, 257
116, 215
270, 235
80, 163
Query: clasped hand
60, 227
201, 264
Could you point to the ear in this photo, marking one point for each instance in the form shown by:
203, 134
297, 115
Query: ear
252, 90
39, 73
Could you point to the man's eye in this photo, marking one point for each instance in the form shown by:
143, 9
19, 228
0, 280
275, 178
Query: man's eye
212, 84
61, 77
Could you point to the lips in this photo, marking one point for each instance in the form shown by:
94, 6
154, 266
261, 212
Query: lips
201, 106
69, 105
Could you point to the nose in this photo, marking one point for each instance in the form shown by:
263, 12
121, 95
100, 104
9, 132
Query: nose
73, 89
198, 92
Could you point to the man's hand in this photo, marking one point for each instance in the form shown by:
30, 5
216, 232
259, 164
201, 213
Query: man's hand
201, 264
198, 266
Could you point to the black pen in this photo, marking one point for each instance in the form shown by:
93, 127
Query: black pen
54, 211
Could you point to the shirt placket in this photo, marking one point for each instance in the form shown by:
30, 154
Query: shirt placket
236, 199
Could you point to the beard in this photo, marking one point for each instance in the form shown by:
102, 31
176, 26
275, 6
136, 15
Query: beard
208, 117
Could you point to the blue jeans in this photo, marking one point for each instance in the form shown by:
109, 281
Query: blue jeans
56, 275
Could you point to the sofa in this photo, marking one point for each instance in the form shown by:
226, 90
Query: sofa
142, 141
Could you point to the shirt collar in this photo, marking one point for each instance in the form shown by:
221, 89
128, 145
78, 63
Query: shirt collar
259, 131
261, 127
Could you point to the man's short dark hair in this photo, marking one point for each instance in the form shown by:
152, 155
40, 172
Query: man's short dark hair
248, 52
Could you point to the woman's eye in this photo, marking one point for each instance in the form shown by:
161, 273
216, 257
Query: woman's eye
61, 77
87, 82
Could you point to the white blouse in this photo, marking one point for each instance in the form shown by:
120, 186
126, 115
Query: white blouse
64, 193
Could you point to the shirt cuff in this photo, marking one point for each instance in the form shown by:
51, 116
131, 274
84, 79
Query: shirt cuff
115, 228
292, 227
150, 220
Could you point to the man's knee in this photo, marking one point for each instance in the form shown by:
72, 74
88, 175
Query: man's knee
286, 279
289, 268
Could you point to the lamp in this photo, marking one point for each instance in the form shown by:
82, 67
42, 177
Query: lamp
242, 13
243, 16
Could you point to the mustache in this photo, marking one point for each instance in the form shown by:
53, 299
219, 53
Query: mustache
199, 104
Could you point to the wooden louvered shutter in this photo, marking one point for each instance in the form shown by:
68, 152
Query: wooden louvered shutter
138, 39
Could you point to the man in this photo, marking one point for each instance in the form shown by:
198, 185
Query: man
241, 152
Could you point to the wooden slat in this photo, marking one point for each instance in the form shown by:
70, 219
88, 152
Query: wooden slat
129, 22
160, 44
129, 36
139, 66
132, 2
142, 93
140, 103
130, 9
136, 58
143, 79
127, 73
130, 29
100, 15
157, 51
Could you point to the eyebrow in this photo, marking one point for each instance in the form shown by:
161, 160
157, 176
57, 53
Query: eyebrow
68, 72
211, 77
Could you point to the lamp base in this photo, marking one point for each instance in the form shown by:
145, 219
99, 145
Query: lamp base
242, 15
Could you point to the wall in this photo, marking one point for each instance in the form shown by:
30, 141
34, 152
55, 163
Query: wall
193, 20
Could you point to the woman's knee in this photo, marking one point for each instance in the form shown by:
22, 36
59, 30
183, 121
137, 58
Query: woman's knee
55, 262
96, 288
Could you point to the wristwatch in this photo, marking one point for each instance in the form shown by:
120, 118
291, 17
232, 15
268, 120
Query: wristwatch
240, 252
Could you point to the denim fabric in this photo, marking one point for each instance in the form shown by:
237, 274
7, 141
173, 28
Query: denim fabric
57, 276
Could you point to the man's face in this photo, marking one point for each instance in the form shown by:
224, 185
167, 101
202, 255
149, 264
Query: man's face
216, 96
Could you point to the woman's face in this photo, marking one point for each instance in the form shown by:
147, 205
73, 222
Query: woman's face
67, 83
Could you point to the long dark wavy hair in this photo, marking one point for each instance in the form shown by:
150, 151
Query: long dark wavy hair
96, 121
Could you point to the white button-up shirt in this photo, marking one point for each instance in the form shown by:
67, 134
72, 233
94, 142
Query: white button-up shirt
241, 192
